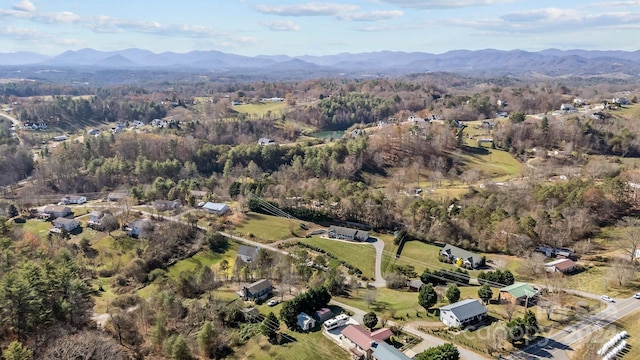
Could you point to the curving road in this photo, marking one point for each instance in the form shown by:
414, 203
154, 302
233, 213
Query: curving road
15, 122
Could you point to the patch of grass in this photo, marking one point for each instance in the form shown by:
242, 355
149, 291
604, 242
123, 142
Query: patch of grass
105, 297
39, 228
593, 280
266, 228
311, 345
261, 109
401, 304
362, 256
203, 258
422, 255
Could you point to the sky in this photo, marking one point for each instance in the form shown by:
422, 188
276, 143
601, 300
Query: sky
294, 27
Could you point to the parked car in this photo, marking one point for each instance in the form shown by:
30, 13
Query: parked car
636, 295
273, 302
607, 299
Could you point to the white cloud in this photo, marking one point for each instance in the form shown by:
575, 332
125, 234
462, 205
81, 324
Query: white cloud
612, 4
24, 5
286, 25
20, 33
549, 20
372, 15
443, 4
107, 24
308, 9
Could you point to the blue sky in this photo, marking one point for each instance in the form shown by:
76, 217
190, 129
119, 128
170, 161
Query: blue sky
294, 27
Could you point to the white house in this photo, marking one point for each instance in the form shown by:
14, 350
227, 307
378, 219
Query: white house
266, 141
66, 224
74, 199
306, 322
95, 219
463, 313
216, 208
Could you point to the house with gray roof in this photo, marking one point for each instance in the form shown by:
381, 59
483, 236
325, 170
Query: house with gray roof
216, 208
257, 290
248, 253
468, 258
384, 351
463, 312
343, 233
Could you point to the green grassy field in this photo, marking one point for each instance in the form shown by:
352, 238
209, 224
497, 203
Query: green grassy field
261, 109
204, 258
311, 345
266, 228
39, 228
422, 255
362, 256
400, 304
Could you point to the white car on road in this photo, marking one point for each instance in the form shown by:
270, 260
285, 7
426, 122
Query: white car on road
607, 299
637, 295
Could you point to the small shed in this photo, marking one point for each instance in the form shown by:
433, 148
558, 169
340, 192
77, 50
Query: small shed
306, 322
323, 315
415, 285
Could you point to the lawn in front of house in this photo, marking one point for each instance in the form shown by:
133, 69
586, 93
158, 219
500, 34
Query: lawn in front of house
267, 228
398, 304
311, 345
37, 227
360, 255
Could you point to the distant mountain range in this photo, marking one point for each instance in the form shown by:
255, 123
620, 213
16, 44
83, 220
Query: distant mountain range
551, 62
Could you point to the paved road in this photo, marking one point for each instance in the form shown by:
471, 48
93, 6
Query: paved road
15, 122
560, 343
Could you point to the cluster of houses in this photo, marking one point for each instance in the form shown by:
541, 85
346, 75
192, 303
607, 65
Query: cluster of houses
361, 343
35, 126
273, 99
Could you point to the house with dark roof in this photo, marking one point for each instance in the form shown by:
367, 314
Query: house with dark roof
343, 233
117, 196
463, 312
56, 211
257, 290
164, 205
468, 258
519, 293
248, 253
384, 351
323, 315
564, 266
